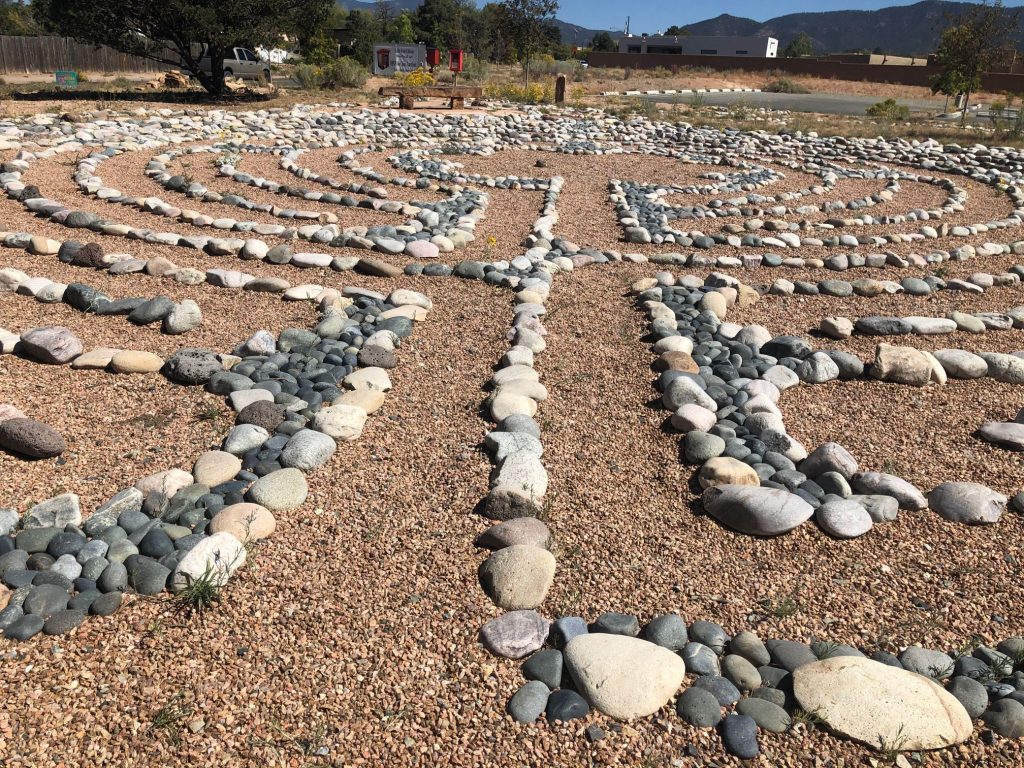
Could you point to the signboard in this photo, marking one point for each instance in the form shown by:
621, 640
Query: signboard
389, 58
66, 78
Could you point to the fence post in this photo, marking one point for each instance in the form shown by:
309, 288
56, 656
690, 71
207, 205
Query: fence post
560, 89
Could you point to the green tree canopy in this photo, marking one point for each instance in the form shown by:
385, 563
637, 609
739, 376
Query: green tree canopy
401, 30
16, 18
527, 20
675, 30
980, 40
801, 46
180, 32
602, 42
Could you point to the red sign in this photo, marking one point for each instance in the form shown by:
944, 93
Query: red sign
433, 57
455, 60
383, 58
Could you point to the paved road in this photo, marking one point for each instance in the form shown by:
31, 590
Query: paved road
827, 103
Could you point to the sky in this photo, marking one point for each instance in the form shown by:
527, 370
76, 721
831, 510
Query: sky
654, 15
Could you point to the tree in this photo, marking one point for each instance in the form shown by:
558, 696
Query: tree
362, 32
317, 42
602, 42
801, 46
16, 19
401, 29
979, 40
526, 18
437, 24
676, 31
383, 14
168, 31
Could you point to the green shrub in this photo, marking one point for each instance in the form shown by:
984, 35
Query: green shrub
889, 110
345, 72
784, 85
545, 64
308, 77
475, 70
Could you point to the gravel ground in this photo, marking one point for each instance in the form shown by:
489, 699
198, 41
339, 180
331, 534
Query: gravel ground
351, 634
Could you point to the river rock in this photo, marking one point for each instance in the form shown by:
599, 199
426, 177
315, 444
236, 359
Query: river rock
756, 511
622, 676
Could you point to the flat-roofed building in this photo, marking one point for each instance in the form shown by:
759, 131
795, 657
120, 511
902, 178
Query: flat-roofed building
702, 45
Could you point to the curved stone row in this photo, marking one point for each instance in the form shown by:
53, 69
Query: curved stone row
451, 220
296, 397
838, 327
744, 686
175, 318
645, 218
634, 201
722, 383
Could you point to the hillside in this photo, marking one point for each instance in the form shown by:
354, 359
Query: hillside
907, 29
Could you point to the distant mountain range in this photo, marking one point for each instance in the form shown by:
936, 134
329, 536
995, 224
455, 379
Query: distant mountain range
572, 34
903, 29
900, 30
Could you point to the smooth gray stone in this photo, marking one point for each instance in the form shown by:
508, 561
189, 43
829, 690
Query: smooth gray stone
668, 631
546, 666
529, 702
971, 694
790, 655
699, 707
701, 660
768, 715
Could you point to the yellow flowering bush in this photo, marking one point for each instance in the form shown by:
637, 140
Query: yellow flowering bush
418, 78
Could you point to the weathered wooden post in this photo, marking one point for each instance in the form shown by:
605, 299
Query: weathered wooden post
560, 90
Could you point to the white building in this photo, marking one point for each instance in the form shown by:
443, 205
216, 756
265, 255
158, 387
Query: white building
702, 45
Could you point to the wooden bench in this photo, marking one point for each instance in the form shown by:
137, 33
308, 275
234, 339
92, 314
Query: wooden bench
407, 94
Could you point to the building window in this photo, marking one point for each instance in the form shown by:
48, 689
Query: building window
634, 49
742, 53
708, 52
664, 49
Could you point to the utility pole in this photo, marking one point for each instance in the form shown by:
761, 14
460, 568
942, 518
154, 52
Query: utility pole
627, 26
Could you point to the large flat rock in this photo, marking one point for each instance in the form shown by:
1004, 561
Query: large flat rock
879, 705
623, 676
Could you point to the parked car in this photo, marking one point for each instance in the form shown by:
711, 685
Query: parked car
241, 62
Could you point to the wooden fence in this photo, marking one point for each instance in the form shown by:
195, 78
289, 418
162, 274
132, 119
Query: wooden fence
28, 55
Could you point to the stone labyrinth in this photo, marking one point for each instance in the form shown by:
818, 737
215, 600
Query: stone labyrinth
255, 201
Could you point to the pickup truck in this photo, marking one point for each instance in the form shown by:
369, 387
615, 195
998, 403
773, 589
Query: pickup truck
241, 62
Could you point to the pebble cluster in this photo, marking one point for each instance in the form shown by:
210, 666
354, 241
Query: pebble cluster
296, 397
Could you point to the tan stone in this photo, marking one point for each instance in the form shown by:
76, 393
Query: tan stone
725, 470
715, 303
881, 705
370, 400
677, 361
901, 365
94, 359
407, 310
168, 482
746, 296
342, 422
134, 361
504, 405
518, 577
5, 596
624, 677
246, 522
215, 467
43, 246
